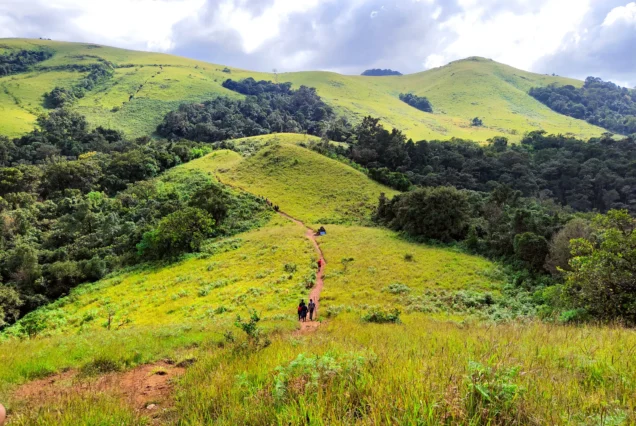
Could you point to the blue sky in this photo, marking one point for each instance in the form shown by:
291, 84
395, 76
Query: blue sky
575, 38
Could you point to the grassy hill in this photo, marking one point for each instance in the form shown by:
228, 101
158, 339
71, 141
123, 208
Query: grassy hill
458, 91
175, 321
303, 183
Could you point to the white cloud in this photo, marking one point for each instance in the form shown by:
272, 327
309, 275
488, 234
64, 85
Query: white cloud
517, 39
374, 13
434, 61
625, 14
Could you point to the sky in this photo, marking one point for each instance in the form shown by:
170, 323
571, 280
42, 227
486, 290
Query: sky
575, 38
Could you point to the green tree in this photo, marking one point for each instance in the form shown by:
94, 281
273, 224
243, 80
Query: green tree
603, 277
180, 232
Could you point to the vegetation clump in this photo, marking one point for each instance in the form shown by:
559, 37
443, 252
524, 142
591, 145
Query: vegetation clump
377, 72
381, 315
419, 102
268, 108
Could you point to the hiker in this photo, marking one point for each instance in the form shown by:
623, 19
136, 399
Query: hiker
312, 308
304, 312
300, 309
319, 263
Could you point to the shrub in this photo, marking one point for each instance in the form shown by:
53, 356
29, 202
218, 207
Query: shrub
493, 396
382, 316
397, 288
419, 102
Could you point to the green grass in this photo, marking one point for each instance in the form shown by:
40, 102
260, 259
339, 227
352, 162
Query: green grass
303, 183
364, 262
459, 91
230, 276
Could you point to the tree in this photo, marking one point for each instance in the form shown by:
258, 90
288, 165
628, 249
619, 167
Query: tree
440, 213
10, 304
180, 232
558, 260
602, 282
477, 122
531, 248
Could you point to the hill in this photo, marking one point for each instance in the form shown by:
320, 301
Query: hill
145, 86
176, 342
303, 183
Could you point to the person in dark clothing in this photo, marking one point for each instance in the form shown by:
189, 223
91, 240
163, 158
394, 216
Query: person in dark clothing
301, 307
312, 308
304, 313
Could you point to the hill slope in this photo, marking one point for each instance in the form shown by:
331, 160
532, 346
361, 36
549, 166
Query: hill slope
159, 83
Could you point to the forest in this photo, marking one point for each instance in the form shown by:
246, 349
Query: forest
21, 60
419, 102
377, 72
268, 108
76, 204
598, 102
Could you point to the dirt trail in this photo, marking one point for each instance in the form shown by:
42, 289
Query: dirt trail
307, 326
317, 289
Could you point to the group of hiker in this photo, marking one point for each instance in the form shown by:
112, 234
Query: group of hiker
303, 309
272, 205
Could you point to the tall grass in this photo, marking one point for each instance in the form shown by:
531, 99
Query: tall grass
423, 372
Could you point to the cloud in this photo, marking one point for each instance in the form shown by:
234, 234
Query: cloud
569, 37
603, 47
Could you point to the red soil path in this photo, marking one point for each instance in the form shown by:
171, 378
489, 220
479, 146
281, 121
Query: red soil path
315, 291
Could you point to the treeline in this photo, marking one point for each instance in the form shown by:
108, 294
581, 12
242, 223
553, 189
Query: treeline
419, 102
575, 266
377, 72
598, 102
268, 108
76, 204
585, 176
97, 73
21, 60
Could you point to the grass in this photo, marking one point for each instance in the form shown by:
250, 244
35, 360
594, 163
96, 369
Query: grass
232, 274
459, 91
422, 372
374, 266
303, 183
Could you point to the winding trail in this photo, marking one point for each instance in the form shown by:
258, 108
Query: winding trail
308, 326
314, 294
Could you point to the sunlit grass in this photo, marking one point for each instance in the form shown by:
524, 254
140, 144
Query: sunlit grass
364, 262
459, 91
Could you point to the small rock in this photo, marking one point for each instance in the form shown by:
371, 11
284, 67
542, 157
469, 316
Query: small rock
151, 407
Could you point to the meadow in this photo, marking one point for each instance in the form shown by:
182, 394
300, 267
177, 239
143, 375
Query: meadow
304, 184
459, 91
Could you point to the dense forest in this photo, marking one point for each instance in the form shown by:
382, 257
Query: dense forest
596, 175
377, 72
21, 60
76, 204
267, 108
419, 102
598, 102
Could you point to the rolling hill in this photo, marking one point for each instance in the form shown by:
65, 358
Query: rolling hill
158, 83
408, 331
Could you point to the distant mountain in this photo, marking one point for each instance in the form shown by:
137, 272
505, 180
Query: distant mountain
132, 91
377, 72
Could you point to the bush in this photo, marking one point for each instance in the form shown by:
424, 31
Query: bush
493, 397
180, 232
382, 316
440, 213
419, 102
397, 288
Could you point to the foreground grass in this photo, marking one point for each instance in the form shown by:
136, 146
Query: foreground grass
422, 372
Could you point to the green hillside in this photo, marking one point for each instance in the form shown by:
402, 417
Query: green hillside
303, 183
459, 91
